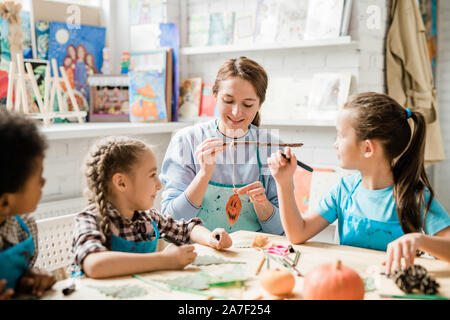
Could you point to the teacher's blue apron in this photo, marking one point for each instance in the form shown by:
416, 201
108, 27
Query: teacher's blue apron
362, 232
222, 208
119, 244
15, 260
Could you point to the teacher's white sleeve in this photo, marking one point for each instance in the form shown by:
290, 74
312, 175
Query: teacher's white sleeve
177, 172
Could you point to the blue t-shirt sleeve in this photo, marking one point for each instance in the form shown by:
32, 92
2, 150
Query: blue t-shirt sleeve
329, 206
437, 218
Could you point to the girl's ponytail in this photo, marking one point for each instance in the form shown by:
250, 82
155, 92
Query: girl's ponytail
410, 178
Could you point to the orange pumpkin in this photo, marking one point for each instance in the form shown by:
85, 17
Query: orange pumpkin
233, 209
333, 281
277, 282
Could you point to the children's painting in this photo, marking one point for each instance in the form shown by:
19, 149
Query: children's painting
266, 23
221, 28
158, 35
42, 39
147, 97
190, 94
146, 11
5, 55
79, 51
39, 68
324, 19
328, 94
292, 20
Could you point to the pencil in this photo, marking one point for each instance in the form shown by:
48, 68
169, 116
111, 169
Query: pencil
261, 263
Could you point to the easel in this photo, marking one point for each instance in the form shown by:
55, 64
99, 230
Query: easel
52, 85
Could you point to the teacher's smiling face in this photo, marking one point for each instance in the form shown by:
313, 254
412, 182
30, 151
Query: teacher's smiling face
238, 104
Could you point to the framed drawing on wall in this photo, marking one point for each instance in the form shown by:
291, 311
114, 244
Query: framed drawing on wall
328, 94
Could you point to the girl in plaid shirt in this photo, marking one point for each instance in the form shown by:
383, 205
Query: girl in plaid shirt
21, 183
118, 232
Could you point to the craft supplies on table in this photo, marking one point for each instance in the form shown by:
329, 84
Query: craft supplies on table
248, 287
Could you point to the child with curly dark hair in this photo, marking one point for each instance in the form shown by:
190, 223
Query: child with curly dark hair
21, 183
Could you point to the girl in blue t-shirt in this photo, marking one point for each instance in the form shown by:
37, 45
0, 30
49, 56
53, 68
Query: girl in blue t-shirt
389, 205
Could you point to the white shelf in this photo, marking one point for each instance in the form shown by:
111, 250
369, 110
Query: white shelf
298, 123
342, 41
89, 130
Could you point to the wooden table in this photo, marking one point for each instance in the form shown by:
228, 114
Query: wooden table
363, 261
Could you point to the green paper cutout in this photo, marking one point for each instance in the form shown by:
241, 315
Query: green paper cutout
202, 280
198, 281
208, 260
122, 292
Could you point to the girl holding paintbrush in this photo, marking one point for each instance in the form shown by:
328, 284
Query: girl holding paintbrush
389, 205
212, 170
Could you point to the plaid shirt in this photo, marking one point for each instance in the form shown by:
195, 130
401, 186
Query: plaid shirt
11, 233
89, 238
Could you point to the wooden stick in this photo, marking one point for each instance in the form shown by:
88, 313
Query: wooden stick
70, 92
56, 82
292, 145
11, 79
261, 263
47, 85
36, 91
23, 87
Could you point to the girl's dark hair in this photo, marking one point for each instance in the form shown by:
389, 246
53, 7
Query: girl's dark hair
245, 69
21, 144
107, 157
377, 116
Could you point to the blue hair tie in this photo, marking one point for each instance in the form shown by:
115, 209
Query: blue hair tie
408, 113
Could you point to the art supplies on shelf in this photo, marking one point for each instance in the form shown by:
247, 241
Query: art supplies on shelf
147, 96
324, 19
109, 98
190, 96
328, 94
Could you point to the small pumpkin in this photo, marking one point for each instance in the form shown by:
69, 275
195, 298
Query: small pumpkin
333, 281
277, 282
233, 209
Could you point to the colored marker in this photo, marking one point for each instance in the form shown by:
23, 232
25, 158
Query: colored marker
300, 164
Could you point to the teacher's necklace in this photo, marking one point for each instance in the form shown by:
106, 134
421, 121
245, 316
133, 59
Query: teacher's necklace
234, 204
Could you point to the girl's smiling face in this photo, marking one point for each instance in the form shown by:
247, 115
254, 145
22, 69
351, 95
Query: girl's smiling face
347, 144
238, 104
